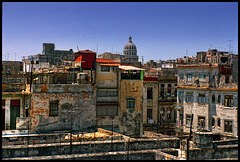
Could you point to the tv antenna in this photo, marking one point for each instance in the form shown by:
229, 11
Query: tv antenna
77, 48
230, 45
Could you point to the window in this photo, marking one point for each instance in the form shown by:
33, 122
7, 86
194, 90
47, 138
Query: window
105, 68
169, 90
149, 92
188, 120
189, 98
201, 76
181, 77
149, 116
201, 99
201, 122
107, 93
130, 103
189, 77
175, 90
226, 79
228, 101
219, 99
213, 98
213, 122
218, 122
180, 96
162, 91
228, 126
53, 108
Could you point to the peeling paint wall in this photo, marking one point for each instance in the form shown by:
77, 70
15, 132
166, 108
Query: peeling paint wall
76, 105
131, 120
214, 86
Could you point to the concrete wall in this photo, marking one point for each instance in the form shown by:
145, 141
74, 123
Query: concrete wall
88, 147
77, 105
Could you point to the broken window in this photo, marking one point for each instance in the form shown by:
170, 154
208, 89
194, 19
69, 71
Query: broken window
189, 98
105, 68
201, 99
228, 126
149, 92
53, 108
228, 100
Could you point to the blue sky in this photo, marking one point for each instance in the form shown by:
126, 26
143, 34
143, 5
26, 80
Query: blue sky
160, 30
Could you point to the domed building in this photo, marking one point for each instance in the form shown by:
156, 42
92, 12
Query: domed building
130, 52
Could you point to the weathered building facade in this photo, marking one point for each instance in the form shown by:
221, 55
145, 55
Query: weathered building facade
56, 107
207, 92
107, 101
131, 106
159, 98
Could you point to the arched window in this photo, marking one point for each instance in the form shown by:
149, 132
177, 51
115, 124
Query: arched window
213, 121
218, 122
213, 98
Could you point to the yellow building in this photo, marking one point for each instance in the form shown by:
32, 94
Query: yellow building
130, 100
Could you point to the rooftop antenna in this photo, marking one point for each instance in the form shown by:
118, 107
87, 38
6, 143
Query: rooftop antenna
97, 49
186, 52
230, 45
77, 48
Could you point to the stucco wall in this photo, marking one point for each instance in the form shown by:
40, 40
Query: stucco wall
77, 105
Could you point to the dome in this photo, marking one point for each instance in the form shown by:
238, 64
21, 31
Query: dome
130, 47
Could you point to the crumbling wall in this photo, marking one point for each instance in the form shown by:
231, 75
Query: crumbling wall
76, 109
130, 119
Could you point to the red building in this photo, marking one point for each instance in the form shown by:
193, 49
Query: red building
85, 59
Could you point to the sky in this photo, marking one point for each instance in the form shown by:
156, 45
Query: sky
160, 30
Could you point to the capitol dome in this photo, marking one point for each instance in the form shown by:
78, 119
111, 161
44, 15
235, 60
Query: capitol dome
130, 48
